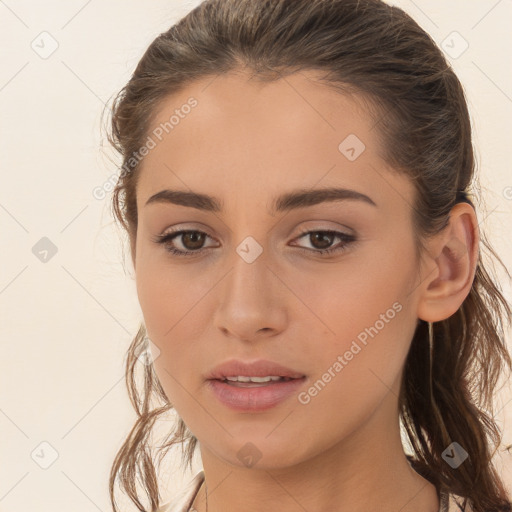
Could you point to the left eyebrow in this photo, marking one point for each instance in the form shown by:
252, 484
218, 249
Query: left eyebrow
295, 199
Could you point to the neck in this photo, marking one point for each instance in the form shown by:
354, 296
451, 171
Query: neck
339, 478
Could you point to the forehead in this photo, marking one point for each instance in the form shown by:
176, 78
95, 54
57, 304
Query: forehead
231, 132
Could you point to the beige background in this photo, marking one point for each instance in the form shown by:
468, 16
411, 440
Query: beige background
66, 323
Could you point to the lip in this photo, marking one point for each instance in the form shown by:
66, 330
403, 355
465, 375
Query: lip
254, 399
259, 368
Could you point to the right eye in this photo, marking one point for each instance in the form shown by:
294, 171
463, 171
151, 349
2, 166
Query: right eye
191, 239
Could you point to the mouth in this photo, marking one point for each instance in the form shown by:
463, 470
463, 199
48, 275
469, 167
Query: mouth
255, 382
254, 371
252, 397
251, 386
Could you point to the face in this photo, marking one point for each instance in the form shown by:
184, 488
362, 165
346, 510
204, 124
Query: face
255, 284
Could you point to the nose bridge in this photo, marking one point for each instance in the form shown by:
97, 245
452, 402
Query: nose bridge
249, 262
249, 301
248, 280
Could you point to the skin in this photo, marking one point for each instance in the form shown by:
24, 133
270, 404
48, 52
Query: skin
246, 143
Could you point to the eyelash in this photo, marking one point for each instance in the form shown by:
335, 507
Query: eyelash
164, 240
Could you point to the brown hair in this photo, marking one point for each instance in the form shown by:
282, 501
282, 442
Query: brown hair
378, 52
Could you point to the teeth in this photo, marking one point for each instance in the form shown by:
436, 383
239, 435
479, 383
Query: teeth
241, 378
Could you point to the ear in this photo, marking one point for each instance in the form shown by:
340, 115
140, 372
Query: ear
449, 266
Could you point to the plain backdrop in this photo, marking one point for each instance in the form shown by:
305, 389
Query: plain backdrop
68, 301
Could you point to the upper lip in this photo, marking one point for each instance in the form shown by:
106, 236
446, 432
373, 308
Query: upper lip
260, 368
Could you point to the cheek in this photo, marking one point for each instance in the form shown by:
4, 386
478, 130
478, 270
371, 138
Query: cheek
366, 325
345, 303
156, 300
354, 370
173, 308
167, 296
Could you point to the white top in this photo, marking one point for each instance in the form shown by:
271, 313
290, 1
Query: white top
183, 501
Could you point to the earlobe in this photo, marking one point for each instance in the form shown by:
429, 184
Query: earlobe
450, 271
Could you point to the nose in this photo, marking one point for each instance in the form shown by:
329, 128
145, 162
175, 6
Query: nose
252, 302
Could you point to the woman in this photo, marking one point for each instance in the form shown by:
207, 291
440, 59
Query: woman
296, 188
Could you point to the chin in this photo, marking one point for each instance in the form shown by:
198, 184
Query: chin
258, 452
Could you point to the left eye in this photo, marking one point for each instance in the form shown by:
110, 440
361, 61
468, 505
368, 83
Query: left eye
192, 241
326, 237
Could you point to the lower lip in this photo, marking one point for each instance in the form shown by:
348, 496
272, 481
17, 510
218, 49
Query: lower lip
252, 399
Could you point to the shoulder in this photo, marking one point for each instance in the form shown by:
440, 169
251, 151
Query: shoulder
183, 501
